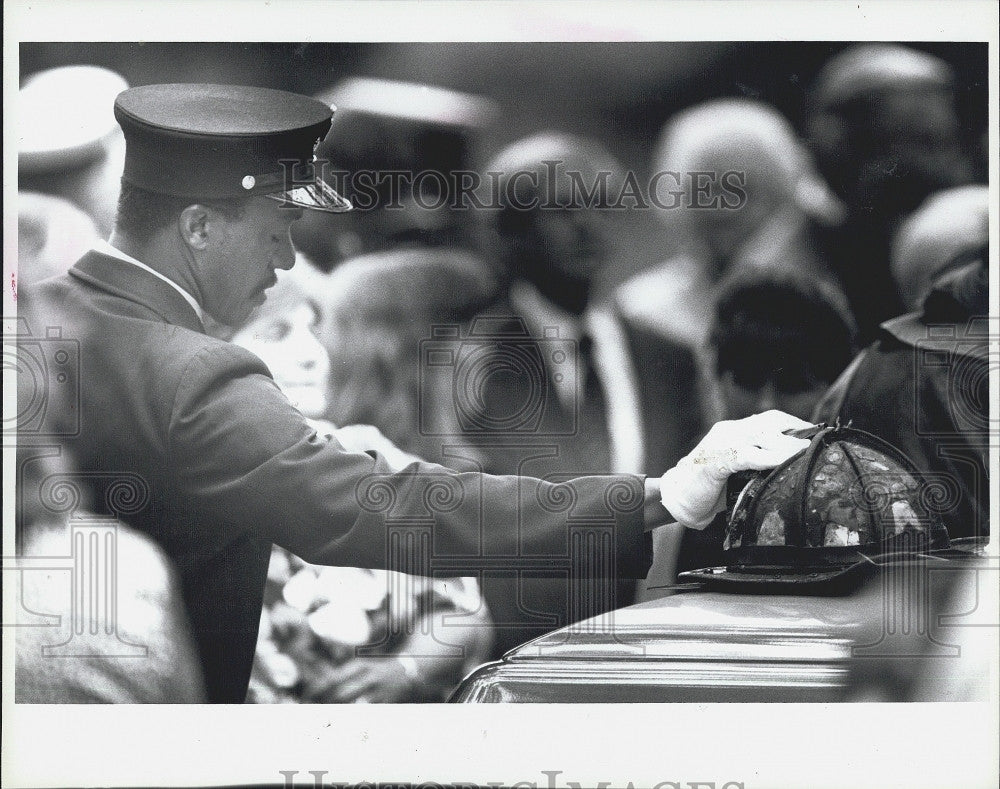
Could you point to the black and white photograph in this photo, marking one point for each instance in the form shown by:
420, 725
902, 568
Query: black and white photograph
500, 394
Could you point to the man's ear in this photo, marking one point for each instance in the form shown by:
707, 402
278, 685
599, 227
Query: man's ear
194, 225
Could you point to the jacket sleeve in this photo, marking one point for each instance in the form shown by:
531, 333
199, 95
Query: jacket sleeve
250, 462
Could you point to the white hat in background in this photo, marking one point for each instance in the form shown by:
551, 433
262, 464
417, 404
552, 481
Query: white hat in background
69, 143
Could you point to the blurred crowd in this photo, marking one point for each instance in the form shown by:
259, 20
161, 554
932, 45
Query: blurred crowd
805, 267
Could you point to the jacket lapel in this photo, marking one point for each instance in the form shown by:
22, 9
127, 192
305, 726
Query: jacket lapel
131, 282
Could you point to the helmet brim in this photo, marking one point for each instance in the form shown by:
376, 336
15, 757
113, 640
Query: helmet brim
836, 579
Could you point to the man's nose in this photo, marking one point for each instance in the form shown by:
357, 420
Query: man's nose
285, 258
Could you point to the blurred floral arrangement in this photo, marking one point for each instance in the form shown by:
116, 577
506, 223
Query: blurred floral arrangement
346, 634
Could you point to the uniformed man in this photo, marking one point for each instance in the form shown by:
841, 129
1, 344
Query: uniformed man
213, 178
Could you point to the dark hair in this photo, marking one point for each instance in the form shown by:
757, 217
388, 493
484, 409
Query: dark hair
142, 214
781, 328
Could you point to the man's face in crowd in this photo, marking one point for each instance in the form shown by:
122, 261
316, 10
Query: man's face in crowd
330, 239
242, 258
921, 126
740, 400
911, 147
724, 230
921, 137
571, 247
723, 219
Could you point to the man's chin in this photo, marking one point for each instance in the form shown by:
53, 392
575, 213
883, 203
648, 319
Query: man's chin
231, 320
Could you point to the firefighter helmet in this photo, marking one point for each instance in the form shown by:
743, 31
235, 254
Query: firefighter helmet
848, 501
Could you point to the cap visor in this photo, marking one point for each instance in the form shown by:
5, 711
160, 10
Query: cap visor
317, 196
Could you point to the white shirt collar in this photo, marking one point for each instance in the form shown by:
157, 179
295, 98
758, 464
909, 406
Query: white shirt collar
540, 313
105, 248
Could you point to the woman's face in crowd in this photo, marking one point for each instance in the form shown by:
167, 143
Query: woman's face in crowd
285, 340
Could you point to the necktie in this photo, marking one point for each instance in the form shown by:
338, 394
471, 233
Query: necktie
591, 444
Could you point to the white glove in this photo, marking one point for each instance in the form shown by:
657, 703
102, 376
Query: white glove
694, 490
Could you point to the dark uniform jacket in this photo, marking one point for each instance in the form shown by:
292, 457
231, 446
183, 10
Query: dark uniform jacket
225, 466
923, 387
